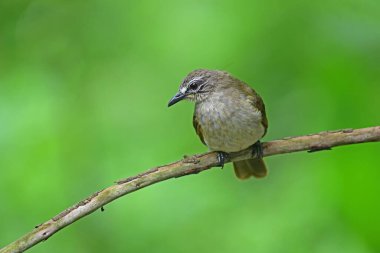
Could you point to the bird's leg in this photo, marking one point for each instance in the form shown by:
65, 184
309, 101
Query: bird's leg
257, 150
222, 157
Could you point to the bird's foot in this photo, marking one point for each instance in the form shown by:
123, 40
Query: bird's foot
257, 150
222, 157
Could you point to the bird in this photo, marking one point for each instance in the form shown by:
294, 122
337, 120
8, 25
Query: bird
229, 116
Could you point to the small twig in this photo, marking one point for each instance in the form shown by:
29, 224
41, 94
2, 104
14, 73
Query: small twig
189, 165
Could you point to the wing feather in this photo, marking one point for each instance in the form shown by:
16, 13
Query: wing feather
198, 128
258, 103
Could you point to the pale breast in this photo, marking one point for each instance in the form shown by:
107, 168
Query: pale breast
229, 123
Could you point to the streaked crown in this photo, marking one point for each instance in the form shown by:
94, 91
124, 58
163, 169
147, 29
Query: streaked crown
198, 83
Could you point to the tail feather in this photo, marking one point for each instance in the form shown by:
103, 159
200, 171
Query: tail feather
252, 167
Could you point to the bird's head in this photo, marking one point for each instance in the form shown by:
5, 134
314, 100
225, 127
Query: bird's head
198, 85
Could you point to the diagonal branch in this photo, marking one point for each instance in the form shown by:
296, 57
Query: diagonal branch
188, 165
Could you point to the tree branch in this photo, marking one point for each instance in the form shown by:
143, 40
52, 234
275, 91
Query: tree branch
188, 165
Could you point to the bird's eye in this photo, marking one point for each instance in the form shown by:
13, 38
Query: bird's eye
194, 84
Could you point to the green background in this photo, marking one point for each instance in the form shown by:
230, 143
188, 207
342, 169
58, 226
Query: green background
84, 87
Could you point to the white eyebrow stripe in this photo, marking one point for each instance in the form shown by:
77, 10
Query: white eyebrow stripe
195, 79
203, 84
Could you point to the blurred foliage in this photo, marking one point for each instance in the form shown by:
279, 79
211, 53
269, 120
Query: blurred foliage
83, 92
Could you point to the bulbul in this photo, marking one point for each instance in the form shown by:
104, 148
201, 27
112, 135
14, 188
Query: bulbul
229, 116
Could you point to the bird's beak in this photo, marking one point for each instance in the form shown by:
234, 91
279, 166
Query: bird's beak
177, 97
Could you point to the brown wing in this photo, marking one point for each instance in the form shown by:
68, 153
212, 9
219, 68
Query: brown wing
198, 128
258, 103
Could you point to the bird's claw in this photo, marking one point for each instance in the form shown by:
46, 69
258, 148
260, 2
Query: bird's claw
222, 157
257, 150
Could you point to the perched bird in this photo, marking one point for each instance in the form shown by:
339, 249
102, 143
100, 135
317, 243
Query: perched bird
229, 116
